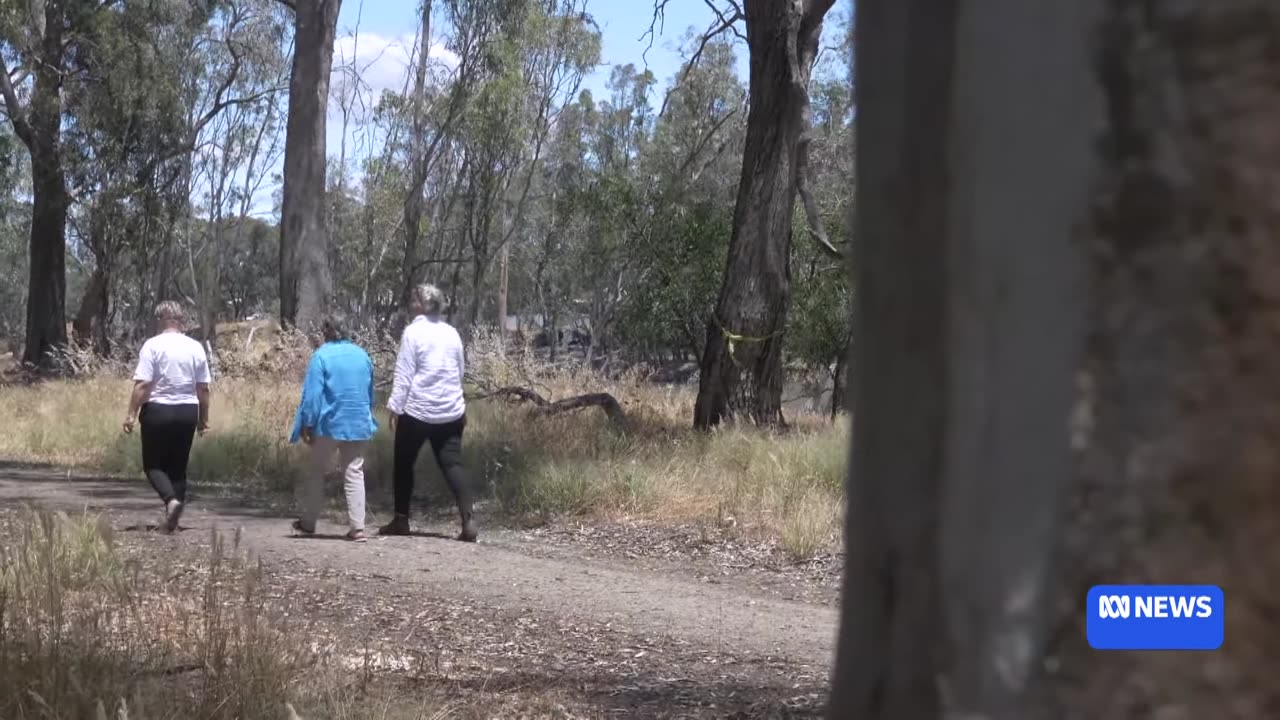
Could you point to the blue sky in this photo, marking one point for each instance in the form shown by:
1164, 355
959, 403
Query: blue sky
379, 35
623, 24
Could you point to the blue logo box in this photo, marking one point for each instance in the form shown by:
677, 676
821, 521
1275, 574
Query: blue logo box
1156, 617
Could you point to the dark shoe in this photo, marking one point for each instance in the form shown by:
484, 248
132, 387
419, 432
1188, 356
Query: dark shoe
172, 514
469, 531
399, 525
298, 528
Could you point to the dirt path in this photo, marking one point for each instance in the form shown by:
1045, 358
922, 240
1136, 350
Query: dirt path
712, 619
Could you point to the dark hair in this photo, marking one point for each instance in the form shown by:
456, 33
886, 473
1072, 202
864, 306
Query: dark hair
334, 327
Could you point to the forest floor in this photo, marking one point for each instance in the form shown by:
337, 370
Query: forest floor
608, 619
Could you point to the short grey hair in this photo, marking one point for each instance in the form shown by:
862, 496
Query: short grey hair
429, 298
335, 327
170, 311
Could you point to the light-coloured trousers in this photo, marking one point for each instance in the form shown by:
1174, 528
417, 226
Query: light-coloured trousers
351, 454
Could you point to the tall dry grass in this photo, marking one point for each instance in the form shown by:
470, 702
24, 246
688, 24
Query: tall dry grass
87, 633
785, 487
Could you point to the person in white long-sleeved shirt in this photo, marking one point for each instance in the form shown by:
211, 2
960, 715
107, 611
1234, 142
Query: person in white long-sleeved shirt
427, 406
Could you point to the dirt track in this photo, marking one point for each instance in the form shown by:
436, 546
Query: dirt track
679, 624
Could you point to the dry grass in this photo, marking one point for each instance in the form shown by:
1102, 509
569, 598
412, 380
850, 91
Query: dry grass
85, 632
784, 487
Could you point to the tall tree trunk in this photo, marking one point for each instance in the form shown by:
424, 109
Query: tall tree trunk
305, 281
1177, 478
90, 323
47, 283
741, 371
968, 332
418, 162
504, 262
840, 382
39, 126
479, 263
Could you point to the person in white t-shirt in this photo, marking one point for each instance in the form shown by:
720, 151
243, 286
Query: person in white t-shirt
427, 407
170, 401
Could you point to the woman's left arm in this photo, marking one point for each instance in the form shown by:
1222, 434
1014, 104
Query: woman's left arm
309, 408
141, 391
143, 376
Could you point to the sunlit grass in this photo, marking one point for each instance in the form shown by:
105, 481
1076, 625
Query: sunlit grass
786, 487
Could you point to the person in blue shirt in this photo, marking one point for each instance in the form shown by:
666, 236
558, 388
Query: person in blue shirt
336, 413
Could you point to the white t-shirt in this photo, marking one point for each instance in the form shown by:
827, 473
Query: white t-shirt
173, 363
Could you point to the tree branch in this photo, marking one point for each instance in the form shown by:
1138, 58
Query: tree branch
658, 21
817, 228
291, 4
729, 20
723, 23
17, 114
544, 408
702, 143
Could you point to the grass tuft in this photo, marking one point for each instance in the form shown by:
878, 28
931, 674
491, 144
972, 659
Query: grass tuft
86, 631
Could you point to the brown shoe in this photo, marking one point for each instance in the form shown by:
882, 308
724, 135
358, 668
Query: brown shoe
399, 525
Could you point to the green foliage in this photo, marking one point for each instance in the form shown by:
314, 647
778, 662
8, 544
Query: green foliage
616, 206
677, 282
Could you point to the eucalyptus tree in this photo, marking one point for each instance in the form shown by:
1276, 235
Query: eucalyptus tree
536, 53
1066, 359
35, 43
742, 361
305, 279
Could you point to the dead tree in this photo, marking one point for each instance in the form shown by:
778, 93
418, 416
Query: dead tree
545, 408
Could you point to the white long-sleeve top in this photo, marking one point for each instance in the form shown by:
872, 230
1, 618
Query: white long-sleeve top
428, 382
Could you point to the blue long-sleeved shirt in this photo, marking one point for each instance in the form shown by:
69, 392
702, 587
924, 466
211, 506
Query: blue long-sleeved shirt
337, 394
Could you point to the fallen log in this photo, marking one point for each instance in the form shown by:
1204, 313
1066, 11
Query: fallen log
545, 408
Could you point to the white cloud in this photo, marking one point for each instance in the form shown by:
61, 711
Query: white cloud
380, 63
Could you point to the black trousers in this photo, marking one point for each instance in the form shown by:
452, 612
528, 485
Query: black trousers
167, 431
446, 444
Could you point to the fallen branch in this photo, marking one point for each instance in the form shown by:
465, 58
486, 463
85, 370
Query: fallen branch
545, 408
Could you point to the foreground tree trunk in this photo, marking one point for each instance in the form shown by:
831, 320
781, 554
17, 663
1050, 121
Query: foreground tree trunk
305, 282
1177, 480
968, 332
741, 369
974, 381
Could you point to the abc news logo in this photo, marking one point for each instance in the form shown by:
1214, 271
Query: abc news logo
1156, 617
1120, 607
